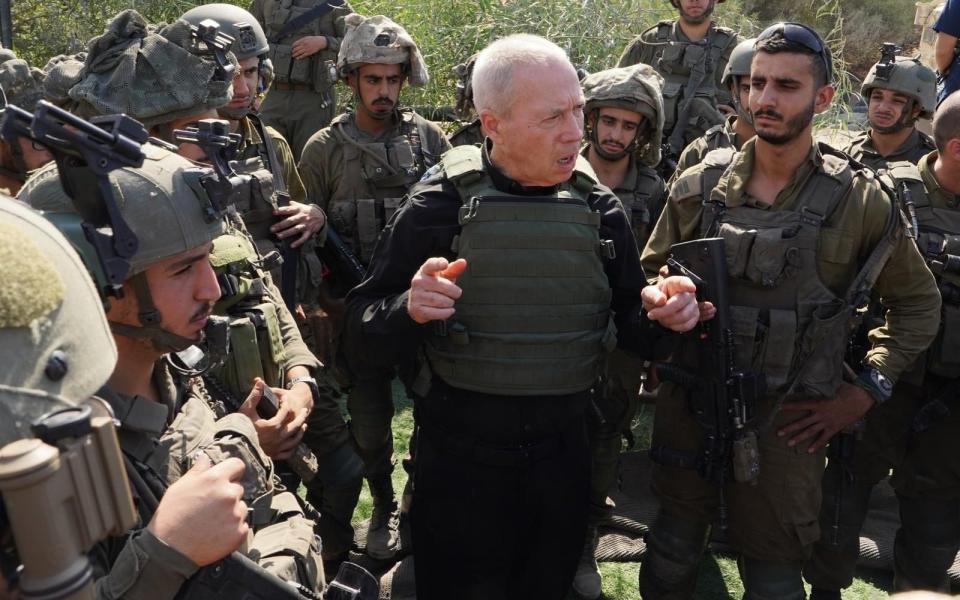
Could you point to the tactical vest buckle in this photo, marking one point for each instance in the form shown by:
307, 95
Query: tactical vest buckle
469, 210
810, 217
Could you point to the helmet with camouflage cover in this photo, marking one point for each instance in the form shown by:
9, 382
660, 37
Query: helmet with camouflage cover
164, 206
702, 17
907, 76
55, 344
635, 88
378, 40
248, 37
22, 84
154, 75
61, 73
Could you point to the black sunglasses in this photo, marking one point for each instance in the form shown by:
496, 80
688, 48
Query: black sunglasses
797, 33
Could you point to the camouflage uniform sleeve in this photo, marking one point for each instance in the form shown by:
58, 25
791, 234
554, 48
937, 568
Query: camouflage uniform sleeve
319, 168
435, 144
287, 163
908, 291
679, 221
145, 568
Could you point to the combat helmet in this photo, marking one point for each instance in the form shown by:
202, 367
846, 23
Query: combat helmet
22, 84
155, 75
55, 345
464, 90
905, 75
165, 207
636, 88
248, 37
739, 66
378, 40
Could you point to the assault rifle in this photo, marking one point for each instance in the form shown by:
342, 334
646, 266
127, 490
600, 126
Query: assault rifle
722, 396
335, 253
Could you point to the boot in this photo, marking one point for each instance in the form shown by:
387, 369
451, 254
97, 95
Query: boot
382, 533
586, 583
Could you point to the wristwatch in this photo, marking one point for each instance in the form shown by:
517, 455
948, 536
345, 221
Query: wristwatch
876, 383
310, 381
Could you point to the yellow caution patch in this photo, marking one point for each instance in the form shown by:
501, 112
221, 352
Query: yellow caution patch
31, 287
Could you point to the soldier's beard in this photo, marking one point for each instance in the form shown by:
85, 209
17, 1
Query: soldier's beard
701, 18
234, 114
610, 156
793, 127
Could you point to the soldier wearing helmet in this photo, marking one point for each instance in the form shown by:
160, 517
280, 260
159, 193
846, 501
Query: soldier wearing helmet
304, 38
470, 133
691, 54
913, 434
168, 429
358, 169
22, 86
623, 121
198, 84
736, 128
898, 90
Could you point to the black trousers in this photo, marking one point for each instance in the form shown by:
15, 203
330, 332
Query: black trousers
500, 495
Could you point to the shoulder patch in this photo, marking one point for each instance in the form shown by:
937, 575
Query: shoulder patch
432, 171
688, 185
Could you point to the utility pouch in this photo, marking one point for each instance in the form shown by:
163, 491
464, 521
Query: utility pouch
822, 347
288, 548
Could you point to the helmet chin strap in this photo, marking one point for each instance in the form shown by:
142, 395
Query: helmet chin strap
595, 141
742, 111
163, 341
905, 120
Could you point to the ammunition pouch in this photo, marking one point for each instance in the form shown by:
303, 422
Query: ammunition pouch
256, 200
372, 216
288, 548
256, 349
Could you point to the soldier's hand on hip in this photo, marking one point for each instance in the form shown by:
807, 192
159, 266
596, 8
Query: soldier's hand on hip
308, 45
672, 302
433, 290
202, 515
300, 220
827, 416
280, 434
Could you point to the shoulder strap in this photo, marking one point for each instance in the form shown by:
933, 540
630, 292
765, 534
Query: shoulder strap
306, 18
828, 186
858, 294
270, 155
664, 31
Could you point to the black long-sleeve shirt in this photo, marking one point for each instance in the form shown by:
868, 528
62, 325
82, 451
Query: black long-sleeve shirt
379, 330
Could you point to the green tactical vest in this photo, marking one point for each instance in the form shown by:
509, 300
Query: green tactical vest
644, 203
534, 317
256, 343
318, 70
676, 61
374, 179
787, 324
937, 235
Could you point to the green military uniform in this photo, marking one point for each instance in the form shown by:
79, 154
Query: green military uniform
303, 97
668, 50
359, 181
796, 285
718, 136
916, 433
162, 440
470, 134
911, 150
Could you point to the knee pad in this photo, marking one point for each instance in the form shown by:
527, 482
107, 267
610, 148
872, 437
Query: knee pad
764, 580
674, 549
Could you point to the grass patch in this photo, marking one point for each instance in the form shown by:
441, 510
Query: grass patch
718, 577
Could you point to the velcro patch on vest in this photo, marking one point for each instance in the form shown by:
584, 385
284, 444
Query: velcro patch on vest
32, 286
688, 186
